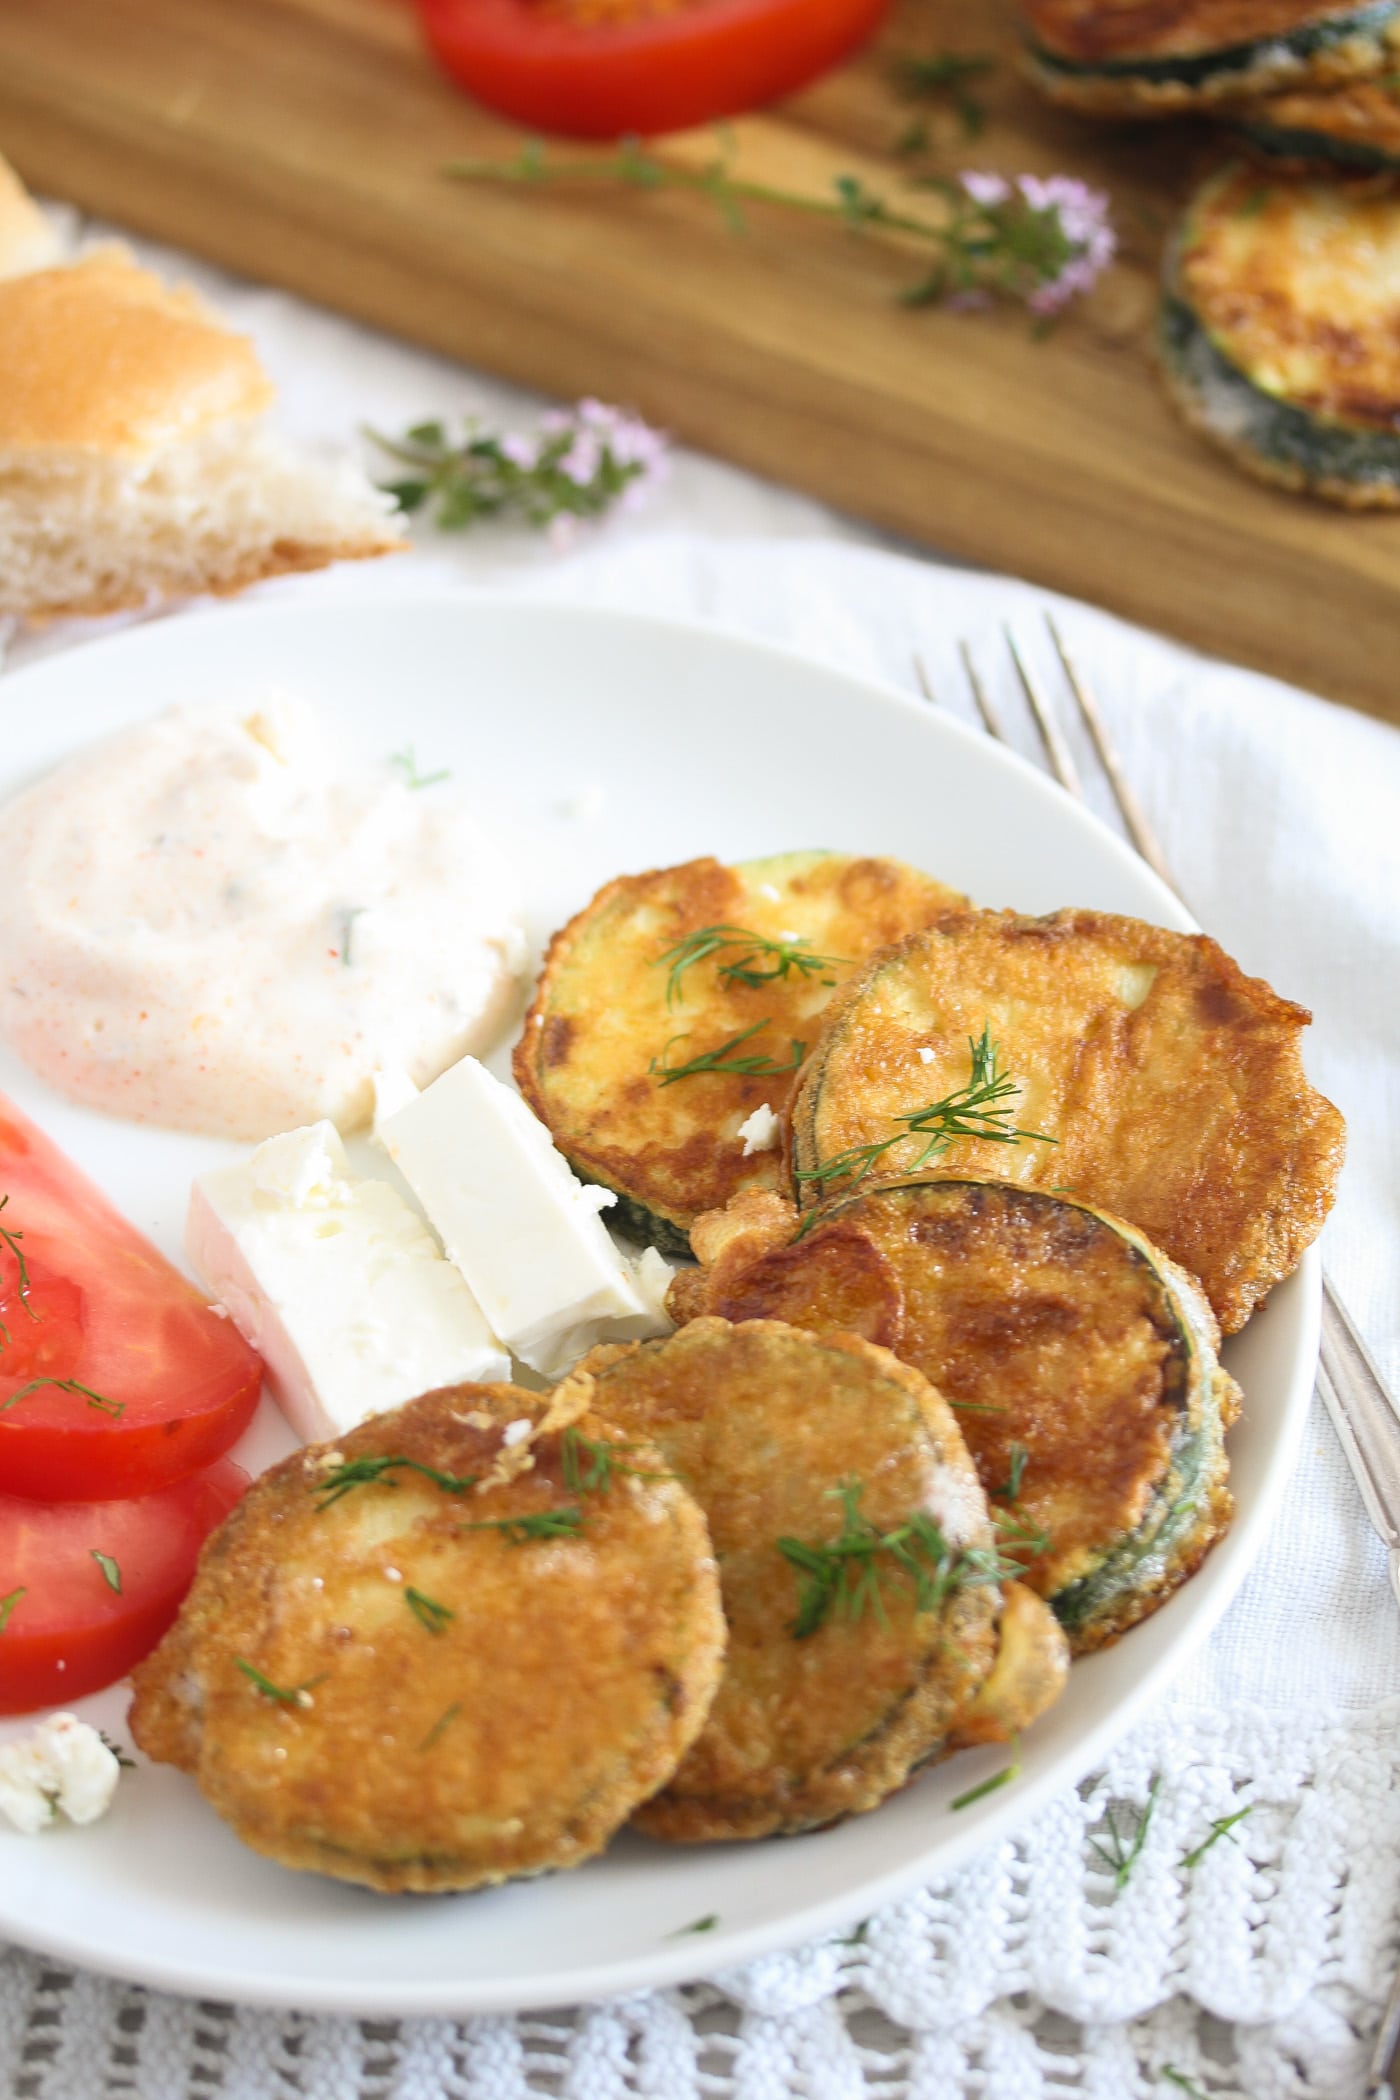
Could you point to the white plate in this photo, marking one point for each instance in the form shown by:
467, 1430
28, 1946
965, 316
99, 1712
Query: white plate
697, 743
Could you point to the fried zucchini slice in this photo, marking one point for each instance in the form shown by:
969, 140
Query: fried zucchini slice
1280, 331
393, 1676
1080, 1364
1171, 1083
1356, 127
1159, 57
728, 965
836, 1682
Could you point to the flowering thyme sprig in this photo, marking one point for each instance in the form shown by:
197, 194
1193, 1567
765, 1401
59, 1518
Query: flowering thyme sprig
1040, 240
577, 463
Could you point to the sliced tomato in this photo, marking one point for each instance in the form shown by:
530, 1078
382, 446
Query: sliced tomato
115, 1376
612, 68
88, 1588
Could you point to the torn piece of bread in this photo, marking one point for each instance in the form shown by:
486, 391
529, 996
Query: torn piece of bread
27, 241
133, 464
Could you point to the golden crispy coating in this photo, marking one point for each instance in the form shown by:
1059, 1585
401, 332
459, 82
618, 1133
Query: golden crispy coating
1358, 124
764, 1425
1052, 1330
1172, 1083
436, 1706
1027, 1677
606, 1008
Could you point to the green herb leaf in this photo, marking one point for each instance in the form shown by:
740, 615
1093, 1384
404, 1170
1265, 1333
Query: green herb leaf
783, 957
408, 766
111, 1573
981, 1109
374, 1472
588, 1465
1120, 1857
998, 1779
127, 1764
841, 1577
12, 1241
1018, 1537
441, 1725
722, 1059
1016, 1458
1179, 2078
1222, 1827
706, 1924
435, 1617
286, 1695
114, 1408
540, 1524
7, 1605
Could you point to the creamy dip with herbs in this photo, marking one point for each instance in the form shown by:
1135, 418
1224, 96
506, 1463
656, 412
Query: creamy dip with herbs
219, 922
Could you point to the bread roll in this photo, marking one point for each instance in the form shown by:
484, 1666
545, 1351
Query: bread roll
27, 242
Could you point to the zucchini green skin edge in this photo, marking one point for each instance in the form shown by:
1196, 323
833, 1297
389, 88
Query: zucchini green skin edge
1308, 41
1282, 144
1297, 446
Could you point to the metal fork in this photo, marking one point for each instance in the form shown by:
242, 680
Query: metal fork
1363, 1411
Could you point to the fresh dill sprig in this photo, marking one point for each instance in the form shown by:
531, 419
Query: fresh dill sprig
1019, 1536
783, 956
588, 1465
722, 1059
111, 1573
286, 1695
706, 1924
947, 74
539, 1524
114, 1408
998, 1779
1179, 2078
1222, 1827
1016, 1458
370, 1472
12, 1240
427, 1611
7, 1605
126, 1764
1118, 1856
408, 766
981, 1109
441, 1725
841, 1577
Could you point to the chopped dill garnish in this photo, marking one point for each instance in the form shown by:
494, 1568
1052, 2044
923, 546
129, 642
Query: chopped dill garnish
347, 933
111, 1573
1016, 1458
706, 1924
1222, 1827
540, 1524
127, 1764
858, 1937
1018, 1535
588, 1465
408, 764
7, 1605
427, 1611
722, 1059
12, 1241
998, 1779
286, 1695
1179, 2078
842, 1576
114, 1408
441, 1725
784, 956
1119, 1858
369, 1472
981, 1109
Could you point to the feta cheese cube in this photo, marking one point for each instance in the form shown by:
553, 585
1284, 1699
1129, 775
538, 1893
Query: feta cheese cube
61, 1765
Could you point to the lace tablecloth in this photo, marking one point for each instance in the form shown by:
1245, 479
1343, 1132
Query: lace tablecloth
1254, 1974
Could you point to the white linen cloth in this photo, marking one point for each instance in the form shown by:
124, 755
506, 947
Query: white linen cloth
1025, 1976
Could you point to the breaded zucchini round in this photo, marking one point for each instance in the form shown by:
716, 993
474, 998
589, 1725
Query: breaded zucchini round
1149, 58
1171, 1083
1356, 127
462, 1646
1080, 1364
857, 1564
680, 1002
1280, 331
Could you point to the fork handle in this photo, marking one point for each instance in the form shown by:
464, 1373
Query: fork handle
1365, 1419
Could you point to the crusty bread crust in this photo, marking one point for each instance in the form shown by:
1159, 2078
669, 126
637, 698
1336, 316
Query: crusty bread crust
286, 558
101, 357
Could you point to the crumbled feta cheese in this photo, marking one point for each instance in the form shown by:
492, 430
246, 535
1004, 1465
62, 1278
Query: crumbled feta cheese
926, 1056
653, 1275
393, 1090
515, 1432
771, 891
762, 1130
61, 1765
591, 1197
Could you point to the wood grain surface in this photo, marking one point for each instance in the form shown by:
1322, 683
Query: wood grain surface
302, 142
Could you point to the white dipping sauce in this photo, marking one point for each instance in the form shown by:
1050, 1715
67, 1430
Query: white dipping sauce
221, 923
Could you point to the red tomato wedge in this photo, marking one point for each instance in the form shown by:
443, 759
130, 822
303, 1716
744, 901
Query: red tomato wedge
88, 1588
115, 1377
606, 69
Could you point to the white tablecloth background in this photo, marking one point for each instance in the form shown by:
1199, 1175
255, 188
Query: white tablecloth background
1025, 1976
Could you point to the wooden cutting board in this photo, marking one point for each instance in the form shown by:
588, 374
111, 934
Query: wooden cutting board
302, 142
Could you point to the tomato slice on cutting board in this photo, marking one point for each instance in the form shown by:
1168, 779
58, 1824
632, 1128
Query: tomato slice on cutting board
610, 68
88, 1588
115, 1376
